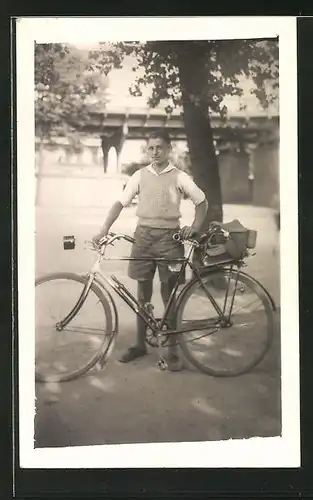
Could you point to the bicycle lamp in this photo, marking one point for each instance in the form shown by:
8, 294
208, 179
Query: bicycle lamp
68, 242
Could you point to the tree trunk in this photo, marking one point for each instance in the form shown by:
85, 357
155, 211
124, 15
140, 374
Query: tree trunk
105, 152
193, 73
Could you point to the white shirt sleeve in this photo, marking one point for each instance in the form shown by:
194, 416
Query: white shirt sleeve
190, 189
131, 189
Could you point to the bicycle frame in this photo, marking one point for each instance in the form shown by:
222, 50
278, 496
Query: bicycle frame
96, 275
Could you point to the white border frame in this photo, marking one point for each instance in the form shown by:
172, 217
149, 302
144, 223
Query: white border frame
256, 452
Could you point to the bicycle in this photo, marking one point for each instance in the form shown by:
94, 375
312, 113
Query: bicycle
210, 343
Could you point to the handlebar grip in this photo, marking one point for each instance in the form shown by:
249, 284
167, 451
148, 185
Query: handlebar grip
202, 237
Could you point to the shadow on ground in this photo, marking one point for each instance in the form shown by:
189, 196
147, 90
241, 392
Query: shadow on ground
138, 403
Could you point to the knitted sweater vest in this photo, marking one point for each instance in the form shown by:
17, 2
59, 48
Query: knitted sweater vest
159, 199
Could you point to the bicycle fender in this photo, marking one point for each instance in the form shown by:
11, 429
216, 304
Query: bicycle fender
110, 300
112, 304
267, 293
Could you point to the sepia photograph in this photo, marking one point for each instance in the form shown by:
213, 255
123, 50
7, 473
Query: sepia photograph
157, 208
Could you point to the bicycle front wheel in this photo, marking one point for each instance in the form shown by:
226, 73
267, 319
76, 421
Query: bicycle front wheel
68, 353
225, 349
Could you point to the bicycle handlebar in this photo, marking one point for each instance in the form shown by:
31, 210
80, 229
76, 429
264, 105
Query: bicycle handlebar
126, 237
177, 237
208, 235
108, 240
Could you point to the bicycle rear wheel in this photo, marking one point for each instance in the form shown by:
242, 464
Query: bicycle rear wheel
66, 354
220, 350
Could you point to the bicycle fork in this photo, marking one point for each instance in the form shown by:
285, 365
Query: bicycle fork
65, 321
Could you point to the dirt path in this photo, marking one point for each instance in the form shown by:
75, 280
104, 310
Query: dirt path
137, 402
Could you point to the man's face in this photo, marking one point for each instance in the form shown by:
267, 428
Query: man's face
158, 151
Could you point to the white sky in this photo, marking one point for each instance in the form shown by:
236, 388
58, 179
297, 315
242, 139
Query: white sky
121, 79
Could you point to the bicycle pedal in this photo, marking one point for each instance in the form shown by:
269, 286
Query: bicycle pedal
162, 364
99, 366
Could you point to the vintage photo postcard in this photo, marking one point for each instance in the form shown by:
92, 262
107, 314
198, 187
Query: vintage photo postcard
157, 242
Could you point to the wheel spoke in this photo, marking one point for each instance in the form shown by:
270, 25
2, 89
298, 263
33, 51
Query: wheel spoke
207, 334
195, 324
85, 330
245, 306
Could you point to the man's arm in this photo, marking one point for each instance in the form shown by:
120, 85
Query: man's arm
200, 214
197, 196
201, 211
126, 197
113, 214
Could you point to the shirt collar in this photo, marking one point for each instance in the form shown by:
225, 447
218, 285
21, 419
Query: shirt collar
169, 167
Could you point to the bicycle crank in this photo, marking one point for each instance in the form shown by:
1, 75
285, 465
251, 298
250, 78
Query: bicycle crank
162, 364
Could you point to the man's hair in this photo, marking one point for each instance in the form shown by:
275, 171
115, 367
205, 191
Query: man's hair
161, 133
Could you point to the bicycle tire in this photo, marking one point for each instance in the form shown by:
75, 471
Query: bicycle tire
183, 337
108, 336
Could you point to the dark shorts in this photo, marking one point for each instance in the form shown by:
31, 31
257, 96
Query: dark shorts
152, 243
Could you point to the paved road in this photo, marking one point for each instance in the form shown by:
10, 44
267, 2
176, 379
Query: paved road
136, 402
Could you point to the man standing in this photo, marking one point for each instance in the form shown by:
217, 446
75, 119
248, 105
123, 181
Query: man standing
160, 187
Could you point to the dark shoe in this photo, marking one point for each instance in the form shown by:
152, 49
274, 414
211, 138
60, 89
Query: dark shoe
133, 353
174, 363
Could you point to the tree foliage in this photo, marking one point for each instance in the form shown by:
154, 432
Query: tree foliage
197, 76
225, 61
194, 75
65, 80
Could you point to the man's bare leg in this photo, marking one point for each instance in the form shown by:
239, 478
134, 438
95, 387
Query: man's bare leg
175, 363
144, 294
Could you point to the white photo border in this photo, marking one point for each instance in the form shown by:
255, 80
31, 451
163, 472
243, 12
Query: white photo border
281, 451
